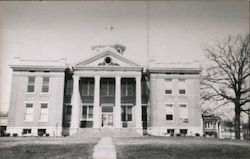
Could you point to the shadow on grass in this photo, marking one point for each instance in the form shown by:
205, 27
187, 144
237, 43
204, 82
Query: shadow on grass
36, 151
180, 148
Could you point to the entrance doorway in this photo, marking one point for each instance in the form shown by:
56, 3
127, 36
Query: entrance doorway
107, 115
107, 119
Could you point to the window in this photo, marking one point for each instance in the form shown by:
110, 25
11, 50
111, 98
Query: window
87, 112
31, 84
29, 112
87, 87
26, 131
107, 87
209, 125
127, 88
69, 87
41, 132
126, 113
182, 86
169, 110
170, 131
45, 86
183, 113
183, 131
44, 112
168, 86
67, 112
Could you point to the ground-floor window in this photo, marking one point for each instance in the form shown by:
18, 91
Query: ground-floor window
41, 132
126, 114
26, 131
170, 131
183, 131
87, 112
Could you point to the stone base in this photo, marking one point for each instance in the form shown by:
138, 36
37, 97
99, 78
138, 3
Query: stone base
52, 131
73, 131
162, 131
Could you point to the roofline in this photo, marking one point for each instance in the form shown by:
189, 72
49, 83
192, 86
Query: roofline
37, 68
110, 68
173, 70
103, 52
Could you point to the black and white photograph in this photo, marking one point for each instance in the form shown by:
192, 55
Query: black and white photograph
124, 79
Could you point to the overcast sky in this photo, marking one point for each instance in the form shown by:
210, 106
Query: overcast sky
51, 30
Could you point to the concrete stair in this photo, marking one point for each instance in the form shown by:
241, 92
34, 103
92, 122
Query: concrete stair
106, 132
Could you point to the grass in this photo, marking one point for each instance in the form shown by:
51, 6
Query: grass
181, 148
46, 148
127, 148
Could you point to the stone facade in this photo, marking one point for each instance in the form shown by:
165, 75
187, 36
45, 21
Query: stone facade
106, 90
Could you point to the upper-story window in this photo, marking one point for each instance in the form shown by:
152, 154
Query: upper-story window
169, 111
182, 86
107, 87
31, 84
127, 88
29, 112
168, 86
45, 86
88, 87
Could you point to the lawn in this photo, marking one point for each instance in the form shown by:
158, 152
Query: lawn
127, 148
180, 148
46, 148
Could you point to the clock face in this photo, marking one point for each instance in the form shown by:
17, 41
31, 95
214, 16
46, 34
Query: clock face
107, 60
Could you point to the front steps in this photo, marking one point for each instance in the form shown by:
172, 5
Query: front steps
106, 132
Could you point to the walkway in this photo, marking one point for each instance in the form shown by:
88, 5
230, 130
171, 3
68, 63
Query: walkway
104, 149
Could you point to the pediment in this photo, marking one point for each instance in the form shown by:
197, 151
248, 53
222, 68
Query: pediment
106, 58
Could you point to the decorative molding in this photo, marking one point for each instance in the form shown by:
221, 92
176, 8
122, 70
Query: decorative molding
108, 64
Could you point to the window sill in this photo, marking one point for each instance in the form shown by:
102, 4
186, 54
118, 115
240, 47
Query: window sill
28, 121
30, 93
40, 121
169, 94
127, 121
44, 94
182, 95
82, 119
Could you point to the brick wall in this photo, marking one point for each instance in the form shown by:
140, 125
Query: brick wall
158, 99
19, 97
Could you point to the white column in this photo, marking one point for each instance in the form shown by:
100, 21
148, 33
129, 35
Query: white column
138, 104
74, 125
97, 122
118, 102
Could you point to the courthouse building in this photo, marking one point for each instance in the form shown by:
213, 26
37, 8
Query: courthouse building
106, 90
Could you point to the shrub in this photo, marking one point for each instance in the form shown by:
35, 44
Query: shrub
171, 134
40, 133
15, 135
47, 134
8, 135
65, 133
178, 134
197, 134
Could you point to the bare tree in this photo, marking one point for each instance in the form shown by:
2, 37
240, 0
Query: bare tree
226, 79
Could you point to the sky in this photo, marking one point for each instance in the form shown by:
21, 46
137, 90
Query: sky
177, 30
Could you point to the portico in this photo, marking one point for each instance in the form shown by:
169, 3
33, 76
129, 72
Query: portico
106, 95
